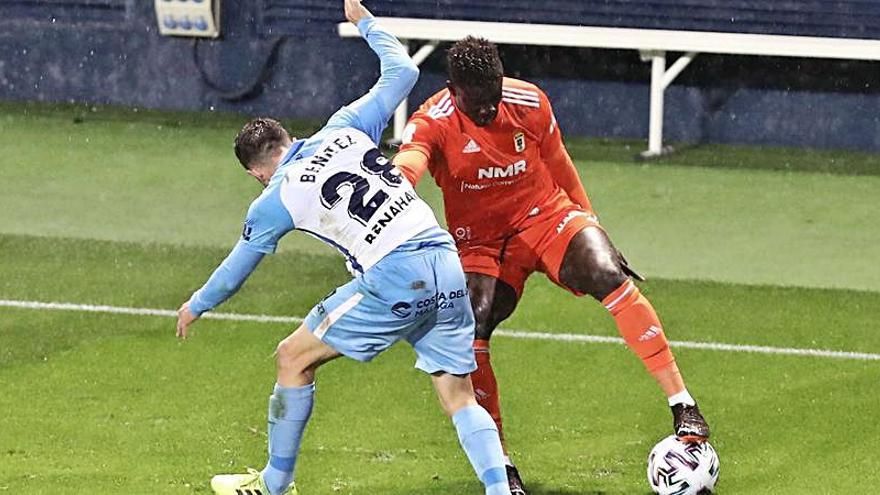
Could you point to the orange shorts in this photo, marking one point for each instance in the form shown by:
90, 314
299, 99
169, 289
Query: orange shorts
539, 245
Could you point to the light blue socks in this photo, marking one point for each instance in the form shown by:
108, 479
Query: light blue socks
289, 412
479, 439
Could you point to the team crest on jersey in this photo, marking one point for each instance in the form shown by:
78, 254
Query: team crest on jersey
247, 231
519, 142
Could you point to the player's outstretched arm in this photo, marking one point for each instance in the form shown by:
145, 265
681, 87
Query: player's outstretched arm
399, 74
224, 282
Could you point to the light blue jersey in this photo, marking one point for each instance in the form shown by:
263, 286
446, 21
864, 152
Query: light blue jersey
337, 187
267, 219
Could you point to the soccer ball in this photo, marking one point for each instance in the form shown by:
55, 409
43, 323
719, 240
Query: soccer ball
682, 468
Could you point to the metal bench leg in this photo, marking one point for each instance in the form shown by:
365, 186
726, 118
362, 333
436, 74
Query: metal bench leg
660, 80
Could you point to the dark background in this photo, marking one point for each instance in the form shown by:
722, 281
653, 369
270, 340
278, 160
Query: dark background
283, 58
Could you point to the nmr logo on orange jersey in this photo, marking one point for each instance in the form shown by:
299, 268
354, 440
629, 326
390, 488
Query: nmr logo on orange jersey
515, 168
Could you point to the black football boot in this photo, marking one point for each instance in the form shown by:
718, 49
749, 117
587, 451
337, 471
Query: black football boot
689, 424
515, 482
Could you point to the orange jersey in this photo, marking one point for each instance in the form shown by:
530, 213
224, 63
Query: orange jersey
493, 178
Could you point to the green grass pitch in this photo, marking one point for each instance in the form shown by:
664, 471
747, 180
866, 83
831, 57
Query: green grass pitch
766, 247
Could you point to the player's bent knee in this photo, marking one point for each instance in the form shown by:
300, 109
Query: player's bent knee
598, 281
293, 353
488, 313
286, 352
482, 307
483, 324
607, 280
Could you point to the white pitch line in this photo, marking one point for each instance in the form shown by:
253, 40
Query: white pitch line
89, 308
683, 344
518, 334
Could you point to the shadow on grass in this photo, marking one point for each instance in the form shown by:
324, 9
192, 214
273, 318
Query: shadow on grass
539, 489
462, 487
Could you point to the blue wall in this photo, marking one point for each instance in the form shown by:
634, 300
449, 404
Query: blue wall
109, 52
847, 18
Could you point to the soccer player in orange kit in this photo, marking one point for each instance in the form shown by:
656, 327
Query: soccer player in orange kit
515, 205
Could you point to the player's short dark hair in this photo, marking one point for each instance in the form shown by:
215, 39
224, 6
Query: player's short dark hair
474, 62
259, 140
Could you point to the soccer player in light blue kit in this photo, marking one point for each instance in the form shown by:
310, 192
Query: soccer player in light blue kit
408, 280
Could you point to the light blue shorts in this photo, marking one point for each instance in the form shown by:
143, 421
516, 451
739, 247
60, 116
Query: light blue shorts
417, 295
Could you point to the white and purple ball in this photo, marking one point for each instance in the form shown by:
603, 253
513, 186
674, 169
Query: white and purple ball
682, 468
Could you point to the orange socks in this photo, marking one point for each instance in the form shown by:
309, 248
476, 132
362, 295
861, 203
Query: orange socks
641, 329
485, 386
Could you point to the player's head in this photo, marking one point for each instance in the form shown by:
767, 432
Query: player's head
475, 77
258, 146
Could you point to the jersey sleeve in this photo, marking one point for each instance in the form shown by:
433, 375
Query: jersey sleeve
423, 134
546, 124
422, 139
226, 279
266, 222
556, 157
399, 74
